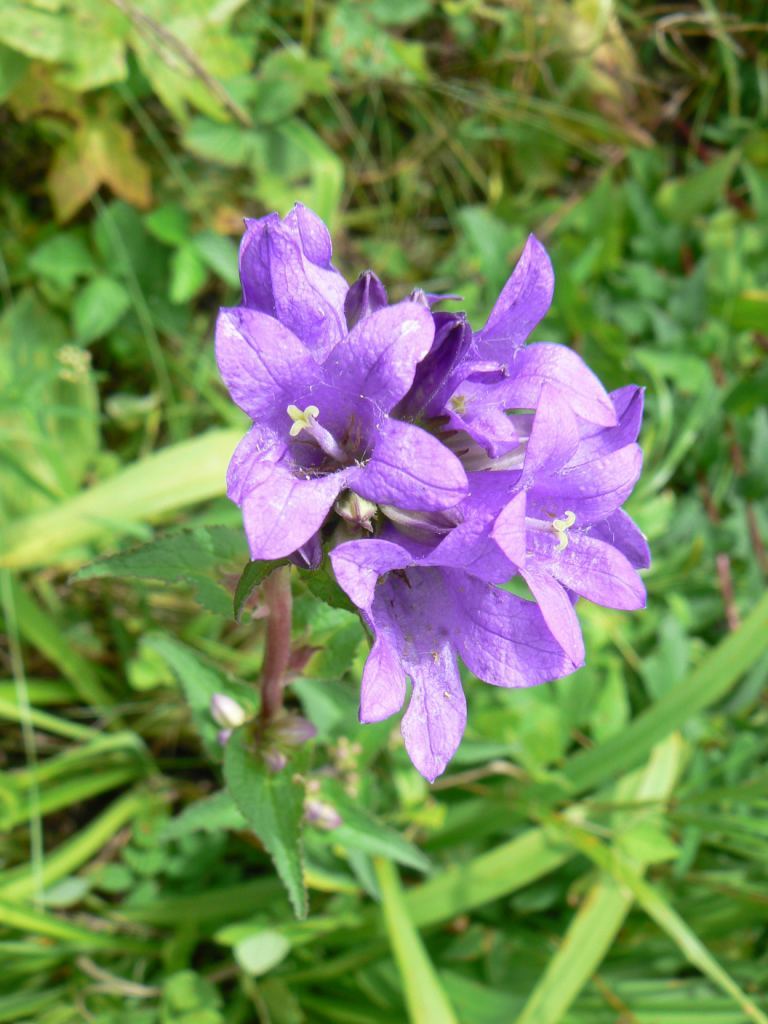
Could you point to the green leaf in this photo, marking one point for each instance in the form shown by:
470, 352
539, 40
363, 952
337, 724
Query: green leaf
219, 254
188, 274
33, 33
62, 259
323, 585
273, 806
99, 307
12, 68
215, 813
189, 555
252, 576
424, 995
173, 478
168, 223
681, 199
259, 952
199, 682
711, 680
360, 830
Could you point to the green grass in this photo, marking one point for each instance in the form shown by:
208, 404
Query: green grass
596, 852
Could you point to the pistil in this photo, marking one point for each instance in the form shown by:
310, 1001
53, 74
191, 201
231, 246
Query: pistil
307, 421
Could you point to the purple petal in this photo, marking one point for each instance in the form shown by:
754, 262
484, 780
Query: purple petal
383, 688
411, 469
554, 437
588, 567
532, 367
628, 405
378, 359
280, 277
558, 612
480, 411
364, 297
441, 369
503, 639
259, 446
358, 564
592, 490
281, 512
262, 363
434, 723
523, 302
619, 530
509, 529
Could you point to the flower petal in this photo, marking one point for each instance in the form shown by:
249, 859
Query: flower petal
434, 723
532, 367
509, 529
263, 364
259, 446
383, 688
589, 567
358, 564
281, 511
628, 405
503, 639
554, 437
592, 490
378, 358
620, 531
523, 302
281, 277
411, 469
558, 612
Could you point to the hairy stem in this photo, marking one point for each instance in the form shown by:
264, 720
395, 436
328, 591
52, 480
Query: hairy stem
277, 596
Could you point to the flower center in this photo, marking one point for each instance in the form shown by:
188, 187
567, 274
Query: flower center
561, 527
307, 421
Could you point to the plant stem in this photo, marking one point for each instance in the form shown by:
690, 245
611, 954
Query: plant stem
277, 596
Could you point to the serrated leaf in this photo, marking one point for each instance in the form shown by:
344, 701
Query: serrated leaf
186, 555
322, 584
273, 806
252, 576
215, 813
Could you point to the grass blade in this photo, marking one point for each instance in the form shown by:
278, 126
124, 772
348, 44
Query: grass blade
427, 1002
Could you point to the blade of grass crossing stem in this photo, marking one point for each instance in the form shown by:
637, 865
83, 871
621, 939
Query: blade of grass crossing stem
173, 478
427, 1002
715, 675
654, 904
596, 924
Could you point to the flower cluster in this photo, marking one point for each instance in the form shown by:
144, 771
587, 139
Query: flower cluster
434, 464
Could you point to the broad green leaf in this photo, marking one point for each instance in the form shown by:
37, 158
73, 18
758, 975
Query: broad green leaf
168, 223
219, 254
259, 952
424, 995
273, 806
12, 68
170, 479
194, 556
98, 307
34, 33
62, 259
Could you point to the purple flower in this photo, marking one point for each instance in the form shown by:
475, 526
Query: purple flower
286, 271
320, 427
564, 530
423, 613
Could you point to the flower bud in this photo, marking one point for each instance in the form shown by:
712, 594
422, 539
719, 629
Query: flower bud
356, 510
365, 296
226, 712
294, 730
322, 815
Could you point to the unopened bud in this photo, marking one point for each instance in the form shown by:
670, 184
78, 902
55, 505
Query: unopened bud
275, 760
321, 814
295, 730
356, 510
226, 712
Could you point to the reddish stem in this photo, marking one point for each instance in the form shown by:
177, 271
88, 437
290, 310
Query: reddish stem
277, 648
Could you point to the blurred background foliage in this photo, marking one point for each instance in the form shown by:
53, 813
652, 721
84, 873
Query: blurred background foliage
597, 852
